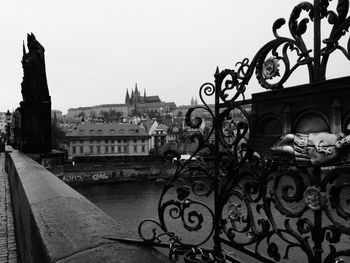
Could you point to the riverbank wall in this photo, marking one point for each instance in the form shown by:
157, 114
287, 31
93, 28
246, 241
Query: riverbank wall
96, 173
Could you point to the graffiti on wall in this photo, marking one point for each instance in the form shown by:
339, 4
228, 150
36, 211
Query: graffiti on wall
72, 179
99, 176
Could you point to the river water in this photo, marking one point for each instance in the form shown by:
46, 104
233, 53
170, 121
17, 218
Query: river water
131, 202
128, 203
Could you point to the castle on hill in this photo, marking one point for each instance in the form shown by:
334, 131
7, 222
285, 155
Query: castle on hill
134, 104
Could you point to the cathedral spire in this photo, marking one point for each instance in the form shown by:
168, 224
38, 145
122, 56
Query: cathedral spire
127, 97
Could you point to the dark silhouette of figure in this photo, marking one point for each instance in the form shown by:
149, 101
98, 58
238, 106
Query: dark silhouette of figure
34, 84
35, 110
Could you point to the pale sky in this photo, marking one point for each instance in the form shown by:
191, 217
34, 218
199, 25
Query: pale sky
95, 50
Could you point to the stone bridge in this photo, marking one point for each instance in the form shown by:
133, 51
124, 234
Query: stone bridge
50, 222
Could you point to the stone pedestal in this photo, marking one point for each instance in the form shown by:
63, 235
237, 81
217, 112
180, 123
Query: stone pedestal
35, 127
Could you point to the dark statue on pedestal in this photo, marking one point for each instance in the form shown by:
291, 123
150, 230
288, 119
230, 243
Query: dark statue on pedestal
36, 105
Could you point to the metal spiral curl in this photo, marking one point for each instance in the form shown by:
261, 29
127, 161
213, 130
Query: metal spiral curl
190, 182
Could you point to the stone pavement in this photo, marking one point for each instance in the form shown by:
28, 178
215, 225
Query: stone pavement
8, 250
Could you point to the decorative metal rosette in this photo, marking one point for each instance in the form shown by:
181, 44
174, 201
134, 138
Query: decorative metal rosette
313, 198
270, 68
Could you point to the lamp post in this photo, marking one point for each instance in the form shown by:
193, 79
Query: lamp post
8, 121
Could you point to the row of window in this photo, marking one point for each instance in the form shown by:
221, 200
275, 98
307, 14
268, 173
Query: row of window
111, 149
111, 131
107, 141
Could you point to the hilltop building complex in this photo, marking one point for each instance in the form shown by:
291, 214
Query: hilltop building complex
134, 104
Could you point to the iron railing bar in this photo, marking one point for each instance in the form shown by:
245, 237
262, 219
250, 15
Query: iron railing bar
138, 242
153, 244
238, 103
233, 259
246, 251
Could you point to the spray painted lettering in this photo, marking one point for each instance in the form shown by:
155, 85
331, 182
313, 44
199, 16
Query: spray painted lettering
99, 176
72, 179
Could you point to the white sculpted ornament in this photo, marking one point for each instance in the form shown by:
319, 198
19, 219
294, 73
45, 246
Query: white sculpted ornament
315, 149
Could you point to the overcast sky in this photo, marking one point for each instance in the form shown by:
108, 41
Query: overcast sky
95, 50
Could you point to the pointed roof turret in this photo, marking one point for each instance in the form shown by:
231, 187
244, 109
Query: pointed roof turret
127, 97
24, 49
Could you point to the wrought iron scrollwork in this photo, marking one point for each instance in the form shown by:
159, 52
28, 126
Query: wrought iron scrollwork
258, 206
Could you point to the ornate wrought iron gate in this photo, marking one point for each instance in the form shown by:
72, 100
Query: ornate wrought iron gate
290, 198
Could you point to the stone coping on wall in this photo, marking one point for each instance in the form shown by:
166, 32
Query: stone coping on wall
54, 223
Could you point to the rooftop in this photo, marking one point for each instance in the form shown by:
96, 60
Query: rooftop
107, 129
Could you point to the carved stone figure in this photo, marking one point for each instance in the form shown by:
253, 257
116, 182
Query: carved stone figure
35, 109
34, 84
311, 149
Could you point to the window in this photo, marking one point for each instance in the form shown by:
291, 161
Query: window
133, 131
135, 148
106, 141
125, 149
81, 142
91, 131
119, 141
119, 149
81, 149
112, 149
106, 149
74, 150
143, 140
98, 149
91, 149
112, 141
81, 131
111, 131
135, 141
91, 141
122, 131
99, 131
143, 149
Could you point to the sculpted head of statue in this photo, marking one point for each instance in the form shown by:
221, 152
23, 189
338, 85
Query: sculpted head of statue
33, 44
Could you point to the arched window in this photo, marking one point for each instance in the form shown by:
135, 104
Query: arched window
311, 122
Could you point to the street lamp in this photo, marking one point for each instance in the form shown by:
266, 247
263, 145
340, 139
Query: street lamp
8, 121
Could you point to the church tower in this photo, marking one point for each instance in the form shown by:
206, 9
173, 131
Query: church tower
127, 97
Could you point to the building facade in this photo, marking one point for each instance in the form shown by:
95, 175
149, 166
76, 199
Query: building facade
101, 139
158, 135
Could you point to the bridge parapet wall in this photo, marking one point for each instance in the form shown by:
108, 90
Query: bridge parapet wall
54, 223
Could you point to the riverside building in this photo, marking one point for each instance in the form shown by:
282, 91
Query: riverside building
107, 139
